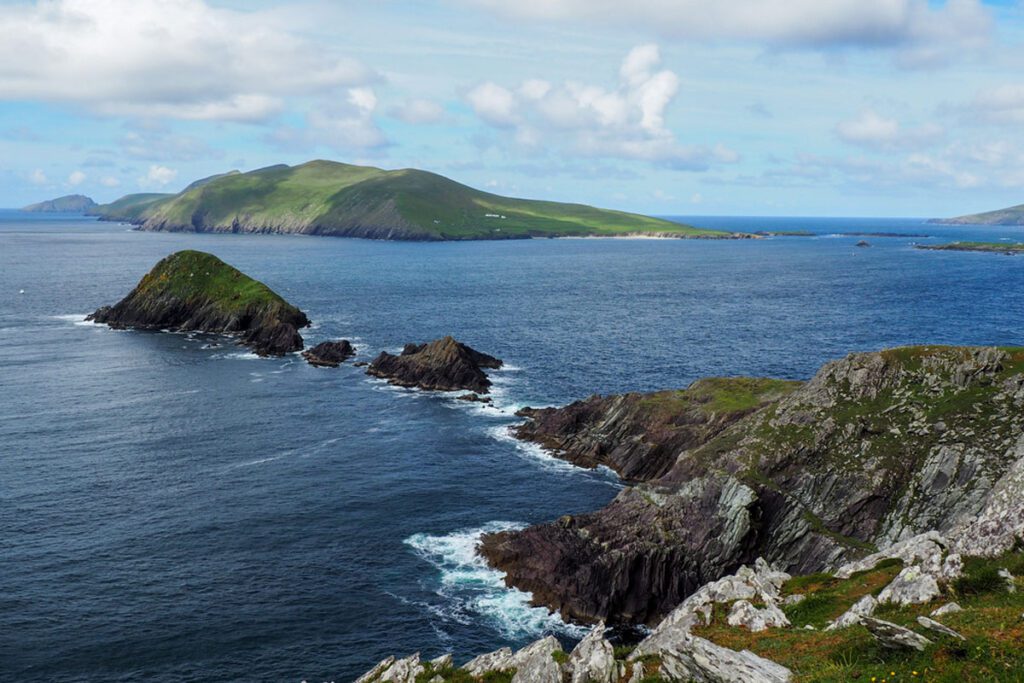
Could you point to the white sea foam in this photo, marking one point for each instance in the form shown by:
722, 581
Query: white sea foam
541, 456
77, 319
470, 590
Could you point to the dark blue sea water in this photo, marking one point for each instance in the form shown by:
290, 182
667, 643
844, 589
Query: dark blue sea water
173, 509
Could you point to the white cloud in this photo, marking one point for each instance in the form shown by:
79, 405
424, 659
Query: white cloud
76, 178
922, 32
109, 181
494, 104
871, 129
345, 125
1000, 105
158, 176
37, 177
418, 111
626, 122
173, 58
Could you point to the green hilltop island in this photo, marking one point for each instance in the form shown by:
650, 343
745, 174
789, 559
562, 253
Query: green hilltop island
192, 291
866, 525
330, 198
1013, 215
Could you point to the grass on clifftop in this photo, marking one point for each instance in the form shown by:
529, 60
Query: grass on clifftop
191, 275
991, 621
995, 247
321, 197
717, 395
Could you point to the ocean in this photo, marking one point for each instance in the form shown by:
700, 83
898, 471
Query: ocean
173, 508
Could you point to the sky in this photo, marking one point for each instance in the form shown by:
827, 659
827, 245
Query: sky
667, 107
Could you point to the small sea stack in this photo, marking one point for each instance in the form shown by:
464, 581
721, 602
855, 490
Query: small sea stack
329, 354
441, 365
192, 291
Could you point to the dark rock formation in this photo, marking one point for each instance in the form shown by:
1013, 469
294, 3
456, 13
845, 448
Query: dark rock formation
195, 291
329, 354
878, 447
639, 435
863, 243
475, 398
441, 365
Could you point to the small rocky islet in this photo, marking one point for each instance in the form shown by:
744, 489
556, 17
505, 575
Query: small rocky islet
441, 365
193, 291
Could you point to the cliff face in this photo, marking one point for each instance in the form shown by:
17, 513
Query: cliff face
639, 435
441, 365
875, 448
195, 291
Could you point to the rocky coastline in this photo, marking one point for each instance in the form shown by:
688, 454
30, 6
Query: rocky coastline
329, 354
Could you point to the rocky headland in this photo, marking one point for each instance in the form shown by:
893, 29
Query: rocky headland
441, 365
72, 203
329, 354
1007, 248
876, 448
195, 291
868, 522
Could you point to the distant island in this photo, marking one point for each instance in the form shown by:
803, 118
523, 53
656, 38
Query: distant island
1009, 248
330, 198
72, 203
1013, 215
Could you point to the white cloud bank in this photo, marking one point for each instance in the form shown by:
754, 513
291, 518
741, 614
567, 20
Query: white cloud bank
922, 33
627, 122
871, 129
162, 58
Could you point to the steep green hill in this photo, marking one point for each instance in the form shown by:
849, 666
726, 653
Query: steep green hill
329, 198
130, 207
1013, 215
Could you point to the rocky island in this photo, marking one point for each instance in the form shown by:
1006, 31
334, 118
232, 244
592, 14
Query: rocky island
72, 203
329, 354
1007, 248
195, 291
344, 200
441, 365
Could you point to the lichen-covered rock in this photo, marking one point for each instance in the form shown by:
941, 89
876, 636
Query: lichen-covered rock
874, 451
893, 636
949, 608
702, 661
441, 365
329, 354
393, 670
1011, 583
191, 291
756, 619
593, 659
912, 586
935, 626
499, 660
536, 663
864, 607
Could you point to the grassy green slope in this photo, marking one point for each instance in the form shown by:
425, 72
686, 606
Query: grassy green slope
323, 197
1013, 215
131, 207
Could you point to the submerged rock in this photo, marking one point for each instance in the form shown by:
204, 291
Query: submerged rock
329, 354
196, 291
441, 365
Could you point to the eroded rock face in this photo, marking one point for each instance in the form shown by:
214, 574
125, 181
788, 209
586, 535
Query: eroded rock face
593, 659
938, 628
697, 659
875, 450
441, 365
329, 354
912, 586
864, 607
191, 291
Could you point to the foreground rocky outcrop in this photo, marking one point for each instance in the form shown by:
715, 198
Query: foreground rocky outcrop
196, 291
875, 449
329, 354
441, 365
761, 625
